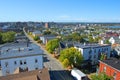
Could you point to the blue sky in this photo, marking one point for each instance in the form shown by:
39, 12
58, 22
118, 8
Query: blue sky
60, 10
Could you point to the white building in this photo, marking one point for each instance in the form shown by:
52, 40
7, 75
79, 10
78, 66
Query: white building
93, 51
114, 40
36, 33
116, 51
20, 57
46, 38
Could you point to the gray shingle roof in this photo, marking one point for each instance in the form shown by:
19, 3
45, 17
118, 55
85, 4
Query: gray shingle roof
115, 63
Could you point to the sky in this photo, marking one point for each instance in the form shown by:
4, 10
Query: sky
60, 10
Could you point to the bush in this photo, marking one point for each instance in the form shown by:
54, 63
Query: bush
100, 76
39, 41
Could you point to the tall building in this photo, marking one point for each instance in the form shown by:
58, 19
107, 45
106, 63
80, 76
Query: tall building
93, 52
20, 56
46, 25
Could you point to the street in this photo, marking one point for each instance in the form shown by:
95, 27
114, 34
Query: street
57, 72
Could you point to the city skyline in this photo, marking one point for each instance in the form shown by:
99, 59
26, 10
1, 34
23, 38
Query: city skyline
60, 10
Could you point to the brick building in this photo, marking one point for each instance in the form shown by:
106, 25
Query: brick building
111, 67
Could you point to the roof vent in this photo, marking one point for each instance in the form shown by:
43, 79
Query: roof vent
116, 62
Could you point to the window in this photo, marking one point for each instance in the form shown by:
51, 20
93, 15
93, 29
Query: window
114, 75
90, 51
99, 50
24, 69
15, 62
7, 72
94, 56
36, 60
104, 69
107, 49
90, 57
36, 68
25, 62
6, 64
94, 50
102, 49
20, 62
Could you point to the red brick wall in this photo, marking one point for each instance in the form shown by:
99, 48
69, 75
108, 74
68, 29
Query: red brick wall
109, 70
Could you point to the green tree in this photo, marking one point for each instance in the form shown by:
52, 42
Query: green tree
66, 62
101, 76
103, 57
8, 36
97, 39
47, 32
107, 41
52, 45
0, 38
91, 40
73, 55
36, 38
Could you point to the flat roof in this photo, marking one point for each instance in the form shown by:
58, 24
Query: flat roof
20, 49
41, 74
90, 45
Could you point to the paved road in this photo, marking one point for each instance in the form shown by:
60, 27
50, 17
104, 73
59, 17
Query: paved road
57, 72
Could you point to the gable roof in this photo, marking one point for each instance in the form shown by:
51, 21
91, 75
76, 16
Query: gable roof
41, 74
114, 63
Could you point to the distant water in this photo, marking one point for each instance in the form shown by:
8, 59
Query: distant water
113, 27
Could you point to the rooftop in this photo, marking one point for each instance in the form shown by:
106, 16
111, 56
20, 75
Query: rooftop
115, 63
37, 32
20, 49
42, 74
89, 45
